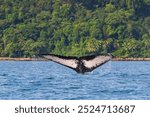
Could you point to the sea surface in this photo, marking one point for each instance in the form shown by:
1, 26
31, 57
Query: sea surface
45, 80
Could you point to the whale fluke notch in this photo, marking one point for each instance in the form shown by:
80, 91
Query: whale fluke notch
80, 64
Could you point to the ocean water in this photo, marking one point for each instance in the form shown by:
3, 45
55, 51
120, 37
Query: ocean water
45, 80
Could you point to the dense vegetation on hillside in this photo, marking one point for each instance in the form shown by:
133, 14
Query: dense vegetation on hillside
75, 27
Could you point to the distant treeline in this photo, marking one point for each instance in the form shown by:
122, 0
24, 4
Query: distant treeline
74, 27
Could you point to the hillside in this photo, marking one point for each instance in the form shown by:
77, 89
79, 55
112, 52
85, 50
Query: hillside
74, 27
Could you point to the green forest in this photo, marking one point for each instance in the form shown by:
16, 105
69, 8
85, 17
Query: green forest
74, 27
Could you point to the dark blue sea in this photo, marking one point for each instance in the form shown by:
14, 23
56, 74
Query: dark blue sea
38, 80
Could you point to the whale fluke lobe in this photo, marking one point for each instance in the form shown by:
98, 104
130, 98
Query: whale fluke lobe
79, 64
70, 62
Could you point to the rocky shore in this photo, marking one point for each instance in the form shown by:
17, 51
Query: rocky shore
22, 59
43, 59
131, 59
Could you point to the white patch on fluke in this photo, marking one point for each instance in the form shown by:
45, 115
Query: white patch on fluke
70, 63
97, 61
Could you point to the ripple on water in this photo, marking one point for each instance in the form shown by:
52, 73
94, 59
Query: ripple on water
48, 80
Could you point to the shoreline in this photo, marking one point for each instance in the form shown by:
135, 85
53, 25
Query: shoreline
131, 59
43, 59
22, 59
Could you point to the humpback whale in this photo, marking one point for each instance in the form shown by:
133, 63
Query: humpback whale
80, 64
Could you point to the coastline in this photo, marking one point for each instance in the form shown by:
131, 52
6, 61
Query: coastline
43, 59
131, 59
22, 59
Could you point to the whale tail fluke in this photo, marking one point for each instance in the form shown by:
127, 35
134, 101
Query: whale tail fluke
79, 64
